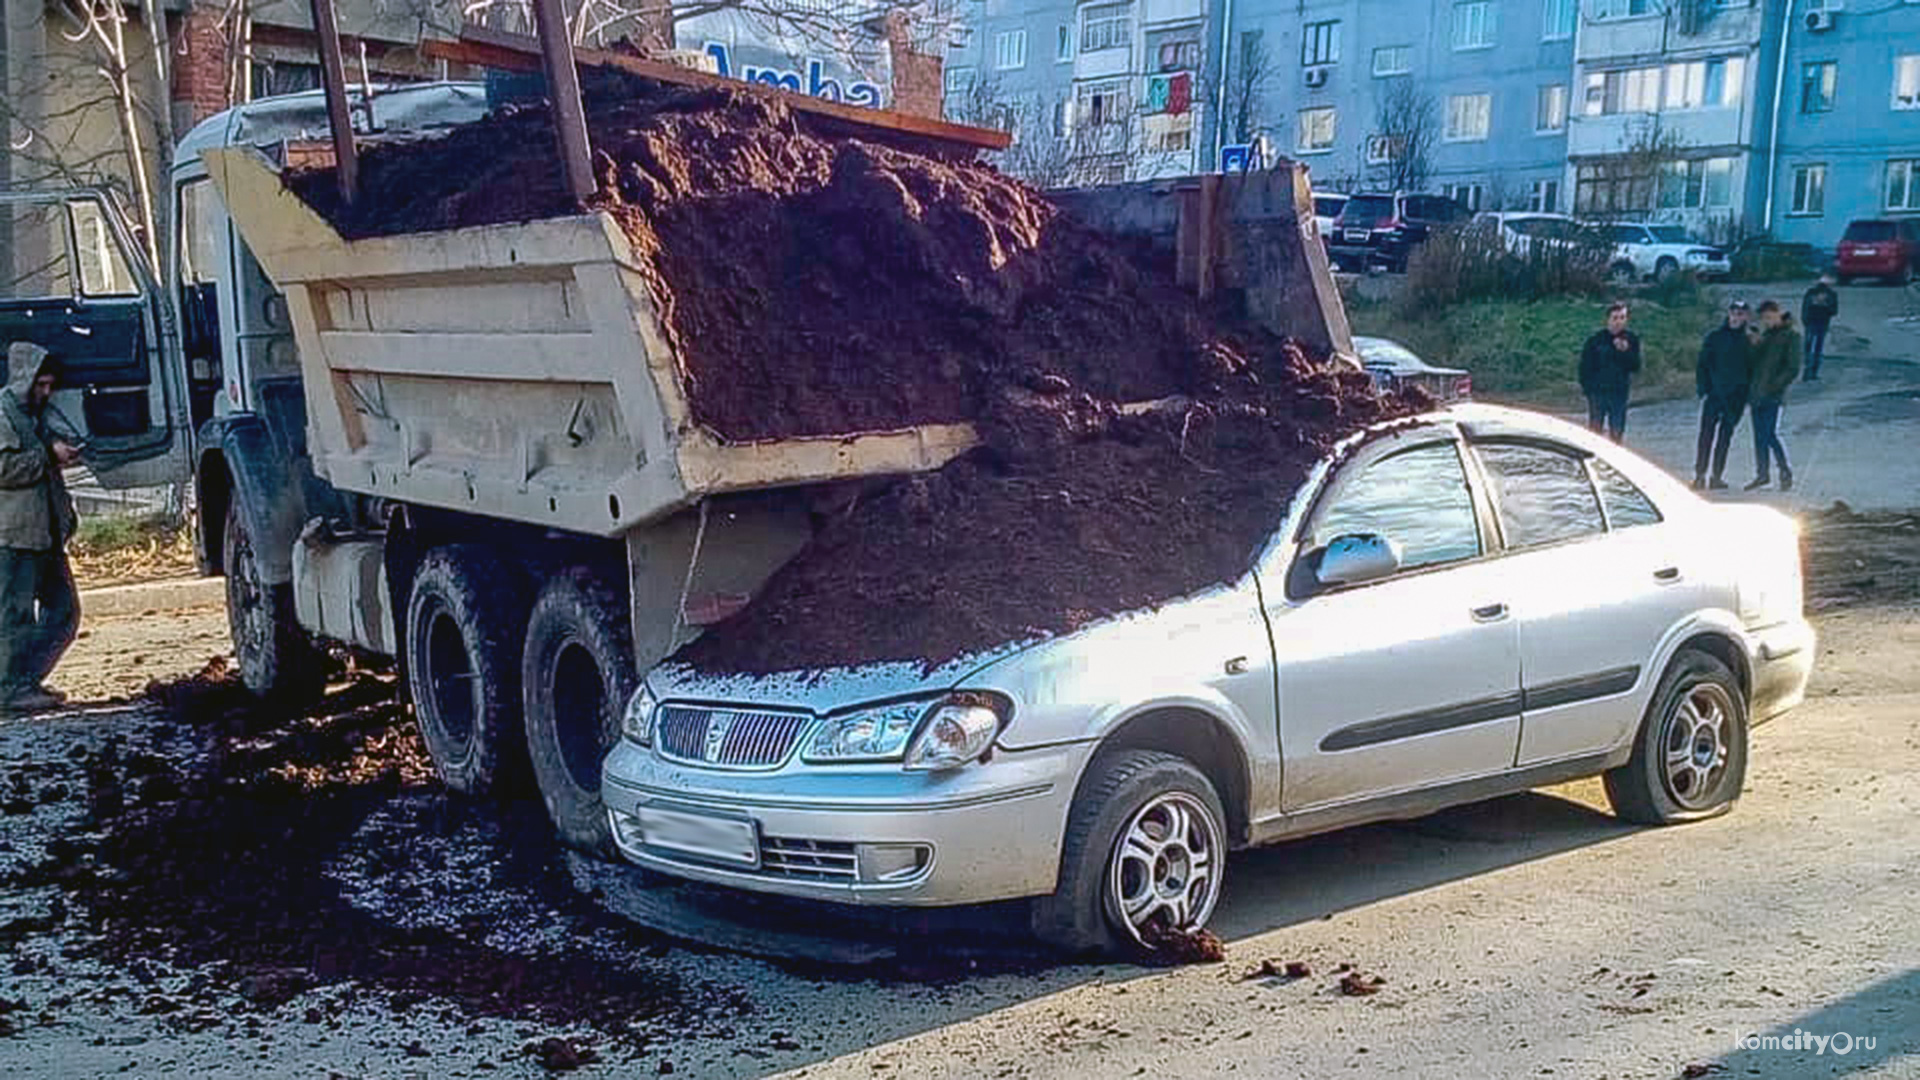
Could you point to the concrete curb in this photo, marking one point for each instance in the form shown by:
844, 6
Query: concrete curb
152, 597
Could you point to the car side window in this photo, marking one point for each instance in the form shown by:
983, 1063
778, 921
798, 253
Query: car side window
1626, 505
1417, 498
1544, 495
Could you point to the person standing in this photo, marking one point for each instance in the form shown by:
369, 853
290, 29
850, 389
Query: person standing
1721, 379
39, 607
1817, 309
1608, 362
1776, 363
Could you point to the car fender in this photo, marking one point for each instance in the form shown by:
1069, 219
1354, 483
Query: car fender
1715, 621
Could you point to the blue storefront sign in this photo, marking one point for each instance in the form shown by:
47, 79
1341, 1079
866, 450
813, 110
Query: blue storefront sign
814, 81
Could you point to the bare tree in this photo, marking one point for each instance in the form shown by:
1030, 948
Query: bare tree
1056, 142
1399, 154
1250, 77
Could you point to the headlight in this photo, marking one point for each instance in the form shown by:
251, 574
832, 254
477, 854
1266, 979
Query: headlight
637, 722
957, 732
877, 734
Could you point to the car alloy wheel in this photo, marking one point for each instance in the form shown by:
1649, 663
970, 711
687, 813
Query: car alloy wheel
1165, 871
1696, 743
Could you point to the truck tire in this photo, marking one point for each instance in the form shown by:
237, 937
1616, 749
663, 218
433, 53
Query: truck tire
1690, 758
1123, 793
462, 660
576, 679
278, 662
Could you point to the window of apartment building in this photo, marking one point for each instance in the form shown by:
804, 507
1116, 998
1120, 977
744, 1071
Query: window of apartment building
1384, 149
1621, 9
1063, 43
1609, 187
1903, 185
1473, 24
1706, 83
1703, 183
1175, 50
1101, 103
1467, 195
1105, 27
1320, 43
1469, 117
270, 78
1630, 91
958, 79
1550, 108
1543, 196
1170, 133
1818, 81
1010, 50
1316, 130
1809, 190
1906, 81
1557, 19
1393, 60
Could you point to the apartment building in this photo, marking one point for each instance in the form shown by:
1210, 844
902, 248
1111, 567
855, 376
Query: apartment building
1604, 107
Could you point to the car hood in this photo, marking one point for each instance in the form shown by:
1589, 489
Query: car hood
822, 690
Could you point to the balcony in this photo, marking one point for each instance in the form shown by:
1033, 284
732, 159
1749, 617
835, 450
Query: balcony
1155, 12
1594, 135
1647, 35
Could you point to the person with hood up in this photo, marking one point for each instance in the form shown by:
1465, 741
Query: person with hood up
1776, 363
39, 607
1721, 380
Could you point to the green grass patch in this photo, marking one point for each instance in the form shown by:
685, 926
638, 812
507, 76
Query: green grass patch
1528, 352
127, 532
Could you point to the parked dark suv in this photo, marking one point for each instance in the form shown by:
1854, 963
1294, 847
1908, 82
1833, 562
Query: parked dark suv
1883, 249
1384, 229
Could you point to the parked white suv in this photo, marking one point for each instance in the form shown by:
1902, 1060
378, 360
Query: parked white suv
1520, 230
1643, 251
1475, 603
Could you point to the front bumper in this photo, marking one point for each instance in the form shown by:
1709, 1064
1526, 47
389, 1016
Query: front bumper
1868, 265
1781, 658
1710, 268
983, 833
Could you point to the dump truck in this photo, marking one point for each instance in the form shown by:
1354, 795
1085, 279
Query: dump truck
471, 451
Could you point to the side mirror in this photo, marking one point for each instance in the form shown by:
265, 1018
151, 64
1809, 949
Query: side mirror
1356, 558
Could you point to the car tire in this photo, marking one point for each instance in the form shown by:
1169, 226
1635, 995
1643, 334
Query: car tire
576, 677
1140, 793
1622, 273
1664, 270
278, 661
1690, 757
464, 616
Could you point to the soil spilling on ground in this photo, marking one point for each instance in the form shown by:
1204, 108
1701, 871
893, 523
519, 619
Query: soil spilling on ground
815, 283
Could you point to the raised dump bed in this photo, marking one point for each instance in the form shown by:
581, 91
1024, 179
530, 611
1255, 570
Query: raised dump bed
517, 371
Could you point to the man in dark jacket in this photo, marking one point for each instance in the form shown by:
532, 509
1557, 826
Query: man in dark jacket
1721, 381
39, 609
1817, 310
1608, 363
1776, 363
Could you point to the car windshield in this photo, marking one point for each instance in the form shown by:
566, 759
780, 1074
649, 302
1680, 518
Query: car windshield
1379, 352
1368, 208
1869, 232
1670, 234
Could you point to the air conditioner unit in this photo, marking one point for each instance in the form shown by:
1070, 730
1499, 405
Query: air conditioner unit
1819, 22
1316, 77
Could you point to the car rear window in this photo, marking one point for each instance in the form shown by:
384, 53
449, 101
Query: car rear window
1869, 232
1429, 207
1367, 209
1626, 504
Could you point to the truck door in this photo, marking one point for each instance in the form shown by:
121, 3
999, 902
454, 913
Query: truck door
72, 282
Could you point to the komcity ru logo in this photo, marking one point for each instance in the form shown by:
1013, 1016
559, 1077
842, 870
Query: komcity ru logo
815, 83
1840, 1042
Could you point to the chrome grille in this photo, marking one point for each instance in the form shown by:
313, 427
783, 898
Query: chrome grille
811, 860
732, 738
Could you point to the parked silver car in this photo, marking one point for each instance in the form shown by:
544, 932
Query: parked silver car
1394, 365
1477, 603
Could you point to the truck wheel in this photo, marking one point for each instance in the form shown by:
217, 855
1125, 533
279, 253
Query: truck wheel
462, 640
1690, 758
276, 658
1143, 859
576, 679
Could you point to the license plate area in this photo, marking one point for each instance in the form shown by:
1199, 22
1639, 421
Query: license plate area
1356, 236
726, 839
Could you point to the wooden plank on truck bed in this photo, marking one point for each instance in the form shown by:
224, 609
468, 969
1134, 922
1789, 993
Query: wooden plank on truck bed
486, 47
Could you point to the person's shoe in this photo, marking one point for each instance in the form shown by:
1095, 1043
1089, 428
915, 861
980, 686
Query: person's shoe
1786, 479
1699, 482
1757, 483
1717, 484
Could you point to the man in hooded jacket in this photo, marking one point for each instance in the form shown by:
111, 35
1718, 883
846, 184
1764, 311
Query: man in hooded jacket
39, 607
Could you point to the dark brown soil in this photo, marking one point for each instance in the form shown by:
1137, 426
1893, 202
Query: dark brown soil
820, 284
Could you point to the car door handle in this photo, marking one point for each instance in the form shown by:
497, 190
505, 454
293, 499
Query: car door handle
1490, 613
1667, 575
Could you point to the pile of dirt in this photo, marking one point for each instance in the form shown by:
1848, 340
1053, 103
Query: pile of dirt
815, 283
